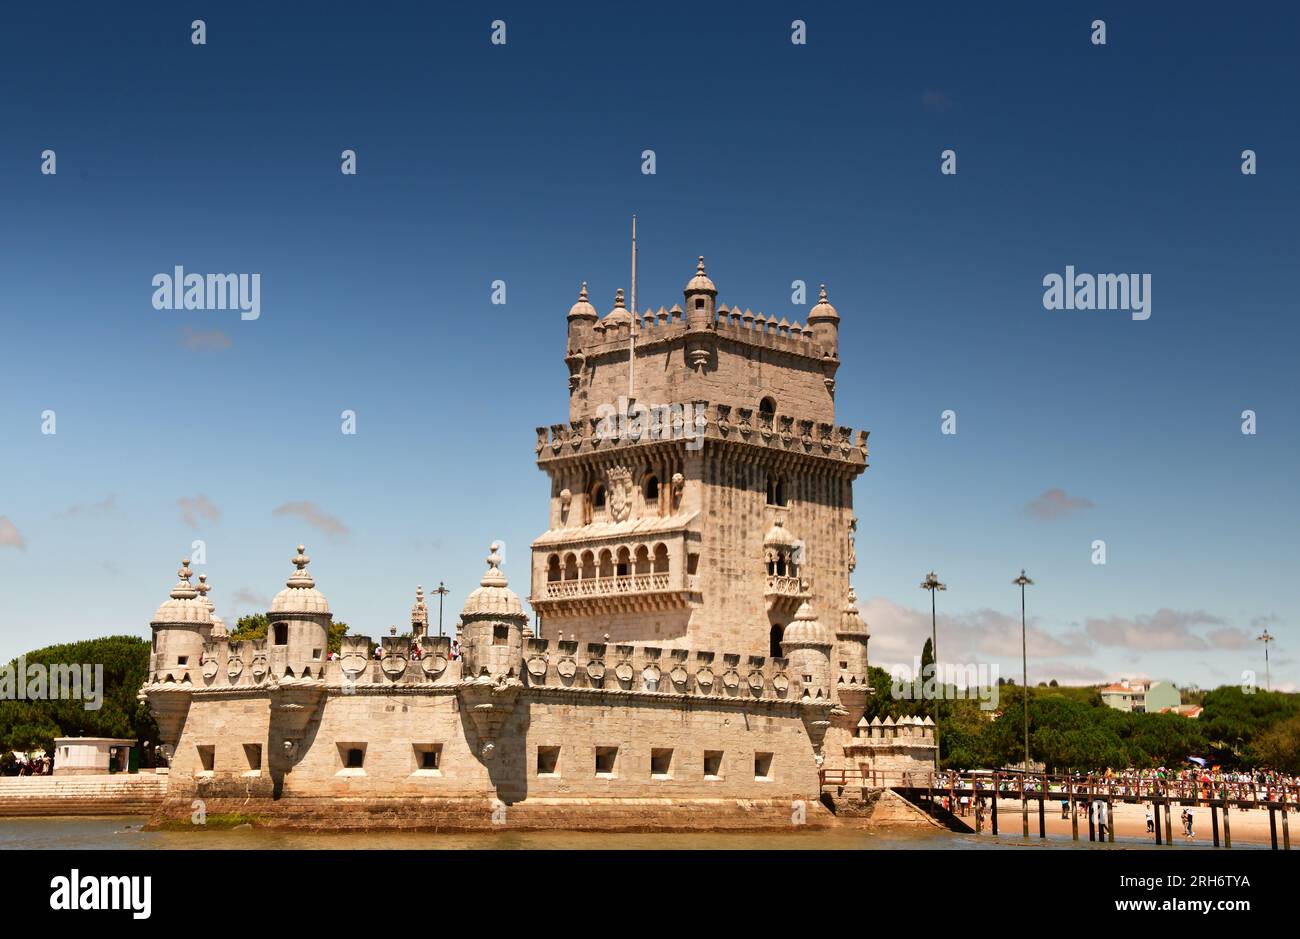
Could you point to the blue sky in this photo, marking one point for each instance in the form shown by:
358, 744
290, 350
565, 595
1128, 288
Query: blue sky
777, 162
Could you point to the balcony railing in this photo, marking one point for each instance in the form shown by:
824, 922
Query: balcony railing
784, 585
606, 586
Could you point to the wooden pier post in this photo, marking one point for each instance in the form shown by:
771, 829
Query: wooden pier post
1227, 830
1074, 808
1272, 825
1169, 820
1286, 831
1155, 807
1110, 818
995, 805
1042, 797
1024, 801
1214, 822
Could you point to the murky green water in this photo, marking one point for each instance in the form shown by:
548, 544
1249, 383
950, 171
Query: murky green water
120, 832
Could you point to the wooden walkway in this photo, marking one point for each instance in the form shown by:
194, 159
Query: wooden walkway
1081, 792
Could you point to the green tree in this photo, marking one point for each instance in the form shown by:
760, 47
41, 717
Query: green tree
33, 724
256, 626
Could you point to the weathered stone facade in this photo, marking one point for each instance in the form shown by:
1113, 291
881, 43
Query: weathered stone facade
700, 653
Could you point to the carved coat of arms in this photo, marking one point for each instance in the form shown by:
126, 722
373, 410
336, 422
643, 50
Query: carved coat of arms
619, 481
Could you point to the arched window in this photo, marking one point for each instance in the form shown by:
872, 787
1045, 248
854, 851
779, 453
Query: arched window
642, 560
651, 490
281, 634
774, 640
623, 567
775, 490
553, 567
661, 558
606, 563
588, 565
598, 497
570, 566
767, 406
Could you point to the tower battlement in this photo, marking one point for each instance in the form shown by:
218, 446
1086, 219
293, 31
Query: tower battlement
699, 350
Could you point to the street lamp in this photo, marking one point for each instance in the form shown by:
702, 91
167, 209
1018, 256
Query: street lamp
931, 583
442, 591
1266, 639
1024, 582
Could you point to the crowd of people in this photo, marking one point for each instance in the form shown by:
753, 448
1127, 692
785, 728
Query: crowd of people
33, 764
1260, 785
416, 652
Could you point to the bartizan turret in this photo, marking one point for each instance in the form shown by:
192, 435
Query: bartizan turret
492, 626
701, 339
824, 320
299, 625
180, 627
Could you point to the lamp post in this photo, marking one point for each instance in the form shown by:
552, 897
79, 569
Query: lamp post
1266, 639
1024, 582
442, 591
931, 583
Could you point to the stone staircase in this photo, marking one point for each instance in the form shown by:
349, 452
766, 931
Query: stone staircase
118, 794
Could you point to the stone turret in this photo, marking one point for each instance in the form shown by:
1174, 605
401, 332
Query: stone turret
299, 631
807, 647
825, 323
700, 296
851, 684
582, 316
492, 624
180, 627
419, 616
619, 316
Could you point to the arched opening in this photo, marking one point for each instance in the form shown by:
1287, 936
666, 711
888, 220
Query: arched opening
774, 640
606, 563
642, 560
661, 558
651, 491
598, 497
767, 406
775, 490
588, 565
624, 565
570, 566
553, 567
281, 634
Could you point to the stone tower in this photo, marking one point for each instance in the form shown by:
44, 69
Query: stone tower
701, 492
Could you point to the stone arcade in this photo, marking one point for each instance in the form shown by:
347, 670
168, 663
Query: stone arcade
700, 654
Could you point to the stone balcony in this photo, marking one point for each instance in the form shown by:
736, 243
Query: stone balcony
659, 590
607, 586
785, 593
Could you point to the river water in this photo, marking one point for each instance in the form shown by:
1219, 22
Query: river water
123, 833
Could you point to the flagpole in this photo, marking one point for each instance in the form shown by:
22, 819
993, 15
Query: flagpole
631, 343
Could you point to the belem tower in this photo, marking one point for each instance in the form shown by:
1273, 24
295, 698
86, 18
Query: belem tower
699, 654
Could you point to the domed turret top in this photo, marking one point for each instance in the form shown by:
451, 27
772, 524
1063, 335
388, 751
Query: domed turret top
300, 594
619, 316
493, 597
778, 537
822, 310
806, 628
700, 283
583, 308
185, 605
851, 620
